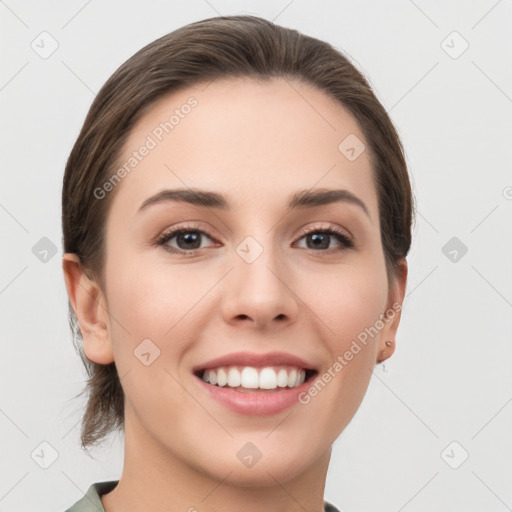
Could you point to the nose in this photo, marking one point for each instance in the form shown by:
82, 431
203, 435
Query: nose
259, 293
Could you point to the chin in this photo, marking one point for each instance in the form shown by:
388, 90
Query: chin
267, 465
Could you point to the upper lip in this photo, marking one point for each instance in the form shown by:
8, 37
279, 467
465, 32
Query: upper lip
255, 359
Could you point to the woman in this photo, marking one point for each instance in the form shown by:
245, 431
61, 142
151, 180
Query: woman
236, 219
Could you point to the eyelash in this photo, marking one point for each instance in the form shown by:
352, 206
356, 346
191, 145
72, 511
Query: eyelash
344, 239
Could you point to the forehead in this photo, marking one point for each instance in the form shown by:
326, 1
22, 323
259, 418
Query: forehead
245, 139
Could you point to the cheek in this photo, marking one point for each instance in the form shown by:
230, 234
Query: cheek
153, 312
348, 306
347, 301
152, 300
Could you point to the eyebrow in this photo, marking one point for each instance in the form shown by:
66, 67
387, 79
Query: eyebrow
299, 199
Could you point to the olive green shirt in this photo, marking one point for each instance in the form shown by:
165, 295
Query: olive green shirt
91, 502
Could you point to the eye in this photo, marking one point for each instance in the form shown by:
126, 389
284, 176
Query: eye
318, 238
188, 238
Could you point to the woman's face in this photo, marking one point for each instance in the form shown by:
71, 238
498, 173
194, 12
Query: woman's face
251, 276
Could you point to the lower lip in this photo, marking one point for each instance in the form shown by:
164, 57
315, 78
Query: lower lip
253, 404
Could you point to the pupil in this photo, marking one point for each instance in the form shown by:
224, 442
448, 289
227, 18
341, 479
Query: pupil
320, 238
190, 238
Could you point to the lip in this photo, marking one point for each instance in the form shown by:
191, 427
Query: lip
256, 360
256, 403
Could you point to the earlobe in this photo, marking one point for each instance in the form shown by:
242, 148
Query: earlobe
387, 343
88, 303
387, 352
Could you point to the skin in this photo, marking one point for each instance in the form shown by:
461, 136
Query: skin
180, 445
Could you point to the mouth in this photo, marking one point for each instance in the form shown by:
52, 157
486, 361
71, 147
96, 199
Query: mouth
251, 383
254, 379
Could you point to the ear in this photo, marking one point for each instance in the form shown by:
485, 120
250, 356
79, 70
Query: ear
393, 312
90, 307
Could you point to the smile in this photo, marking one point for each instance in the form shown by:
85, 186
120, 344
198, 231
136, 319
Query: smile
253, 378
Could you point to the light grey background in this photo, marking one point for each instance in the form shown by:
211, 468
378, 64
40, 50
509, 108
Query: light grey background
450, 378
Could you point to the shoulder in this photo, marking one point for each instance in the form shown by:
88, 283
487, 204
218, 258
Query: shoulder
90, 501
329, 507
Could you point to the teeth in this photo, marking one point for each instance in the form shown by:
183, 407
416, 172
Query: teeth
253, 378
233, 378
249, 378
222, 377
268, 378
282, 378
292, 378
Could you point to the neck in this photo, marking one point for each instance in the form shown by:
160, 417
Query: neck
156, 479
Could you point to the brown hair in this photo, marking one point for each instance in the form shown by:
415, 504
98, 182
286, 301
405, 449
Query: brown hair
231, 46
